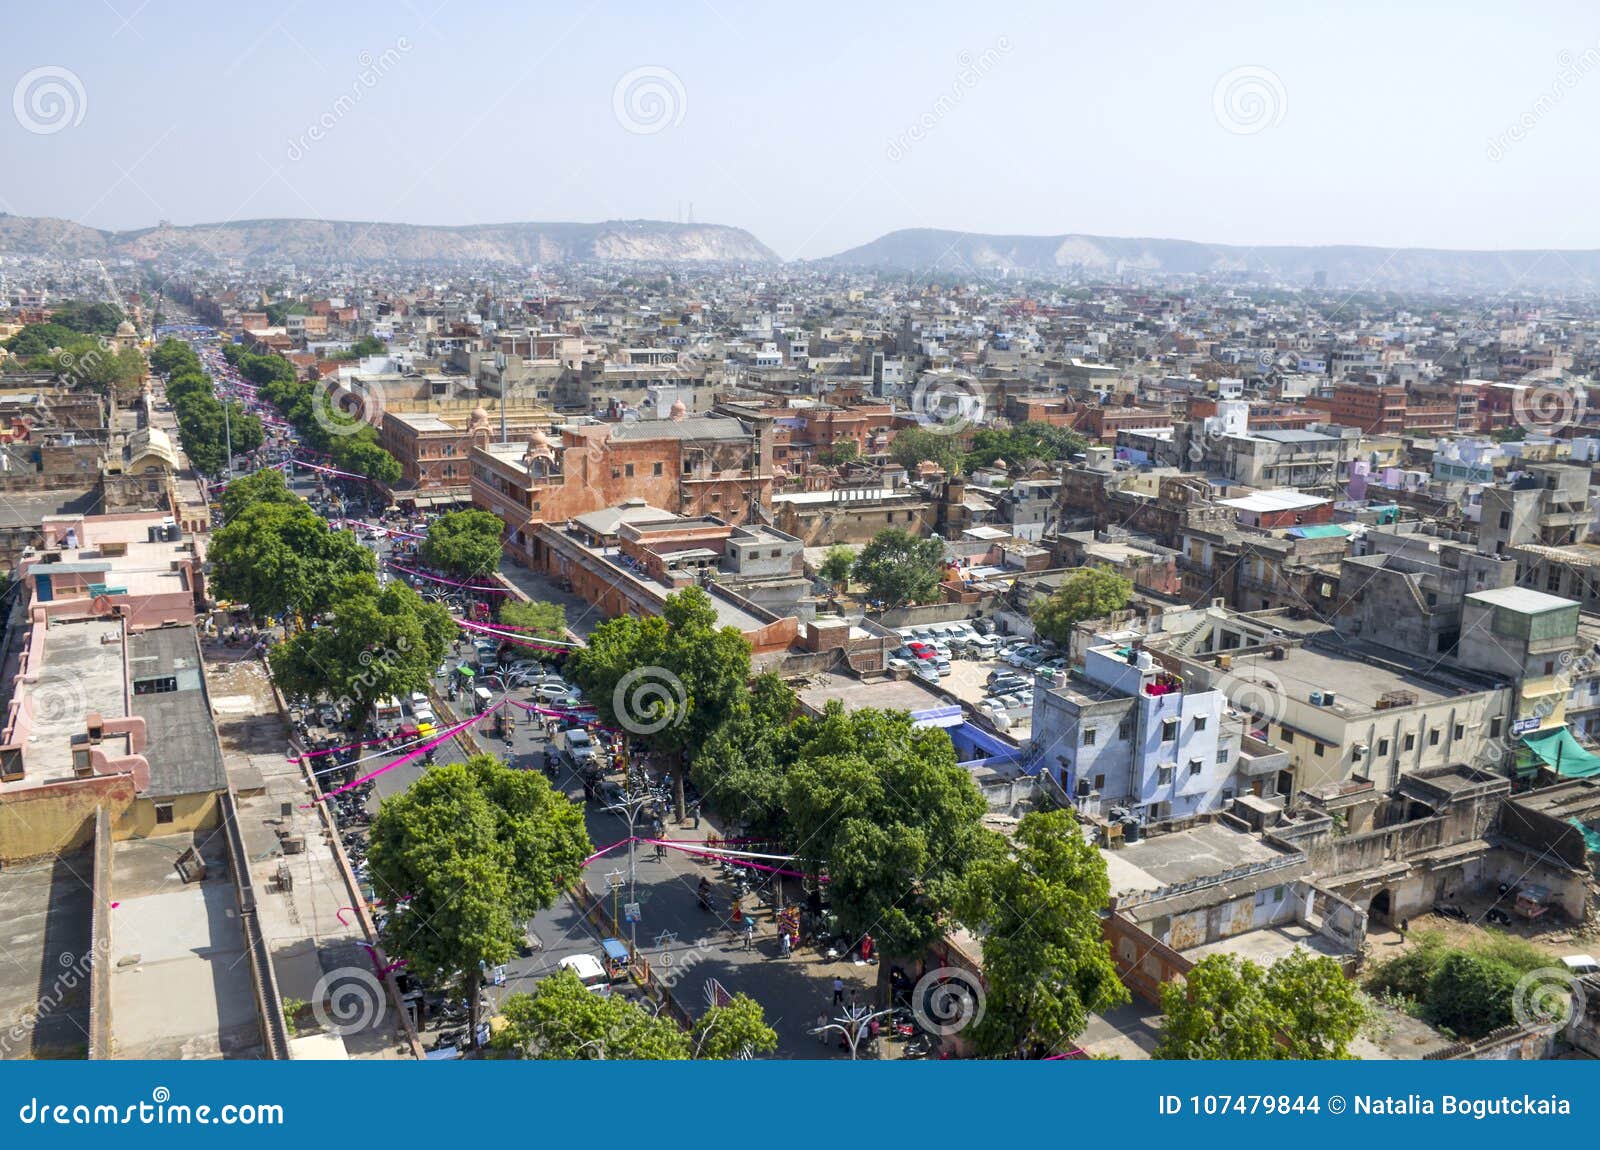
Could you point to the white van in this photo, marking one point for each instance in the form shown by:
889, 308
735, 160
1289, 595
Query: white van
589, 971
387, 716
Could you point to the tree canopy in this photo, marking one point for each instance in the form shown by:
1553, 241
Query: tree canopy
373, 643
837, 565
1091, 593
282, 557
1228, 1008
466, 544
465, 857
539, 619
1045, 956
267, 486
898, 568
884, 807
563, 1019
913, 445
671, 679
1027, 440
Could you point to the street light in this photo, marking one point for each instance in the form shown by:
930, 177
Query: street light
630, 807
853, 1024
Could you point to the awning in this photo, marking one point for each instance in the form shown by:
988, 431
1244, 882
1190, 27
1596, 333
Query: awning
1560, 751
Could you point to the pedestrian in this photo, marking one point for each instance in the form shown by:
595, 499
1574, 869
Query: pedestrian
838, 991
749, 933
822, 1028
1405, 925
784, 943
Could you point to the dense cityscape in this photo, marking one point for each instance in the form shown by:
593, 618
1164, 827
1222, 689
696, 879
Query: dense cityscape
582, 642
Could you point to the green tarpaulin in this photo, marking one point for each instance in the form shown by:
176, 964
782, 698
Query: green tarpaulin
1591, 838
1564, 753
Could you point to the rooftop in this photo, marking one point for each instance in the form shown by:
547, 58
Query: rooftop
1200, 852
1523, 600
182, 750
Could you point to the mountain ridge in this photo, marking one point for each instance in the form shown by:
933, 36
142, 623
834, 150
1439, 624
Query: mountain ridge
359, 241
1356, 266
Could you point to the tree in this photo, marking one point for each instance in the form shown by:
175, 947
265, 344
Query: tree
742, 768
736, 1030
1045, 957
884, 808
899, 568
374, 643
670, 679
173, 355
836, 567
845, 451
1470, 994
914, 445
565, 1020
268, 486
465, 857
1027, 440
1092, 593
1302, 1007
540, 620
283, 557
464, 543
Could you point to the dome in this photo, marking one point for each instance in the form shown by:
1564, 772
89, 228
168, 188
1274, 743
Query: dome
677, 411
538, 441
479, 420
126, 328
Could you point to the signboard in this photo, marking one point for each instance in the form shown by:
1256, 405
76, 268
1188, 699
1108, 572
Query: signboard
630, 912
1523, 726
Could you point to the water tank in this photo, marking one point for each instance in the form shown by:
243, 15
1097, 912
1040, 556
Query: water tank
1130, 831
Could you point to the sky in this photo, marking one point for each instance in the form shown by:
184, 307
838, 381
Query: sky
817, 126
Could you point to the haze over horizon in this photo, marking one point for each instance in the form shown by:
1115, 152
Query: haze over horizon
1240, 125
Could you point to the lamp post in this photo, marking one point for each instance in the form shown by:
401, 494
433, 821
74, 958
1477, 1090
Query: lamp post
630, 808
853, 1024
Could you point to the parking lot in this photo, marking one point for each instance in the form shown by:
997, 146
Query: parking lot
993, 676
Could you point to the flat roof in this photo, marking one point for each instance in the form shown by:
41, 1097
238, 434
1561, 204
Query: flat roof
1523, 600
182, 750
1278, 499
1159, 861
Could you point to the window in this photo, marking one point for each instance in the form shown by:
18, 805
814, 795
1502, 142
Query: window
1494, 726
156, 686
1317, 749
1199, 722
655, 469
1195, 766
688, 466
628, 470
1169, 730
1099, 782
1461, 731
1164, 775
616, 473
1383, 747
1287, 736
1552, 581
1088, 736
1222, 753
1261, 897
1433, 737
1411, 741
163, 812
1505, 520
1277, 894
1549, 666
1125, 728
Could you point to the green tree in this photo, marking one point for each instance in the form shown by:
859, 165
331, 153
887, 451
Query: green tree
374, 642
541, 620
914, 445
742, 767
282, 557
885, 809
845, 451
466, 856
1228, 1008
1470, 994
1045, 956
466, 544
736, 1030
836, 567
1027, 440
565, 1020
268, 486
173, 355
671, 679
1091, 593
898, 568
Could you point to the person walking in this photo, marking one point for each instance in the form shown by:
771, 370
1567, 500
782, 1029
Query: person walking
838, 991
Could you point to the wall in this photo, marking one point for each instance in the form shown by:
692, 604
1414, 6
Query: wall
1143, 964
58, 817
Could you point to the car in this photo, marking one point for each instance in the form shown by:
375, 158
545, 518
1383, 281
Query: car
590, 972
419, 701
1025, 656
1581, 964
927, 672
557, 693
580, 747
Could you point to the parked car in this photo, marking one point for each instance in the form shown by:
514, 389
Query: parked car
1025, 656
926, 671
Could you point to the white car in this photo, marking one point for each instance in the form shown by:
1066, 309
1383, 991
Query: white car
926, 671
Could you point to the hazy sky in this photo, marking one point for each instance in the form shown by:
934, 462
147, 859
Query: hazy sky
816, 125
